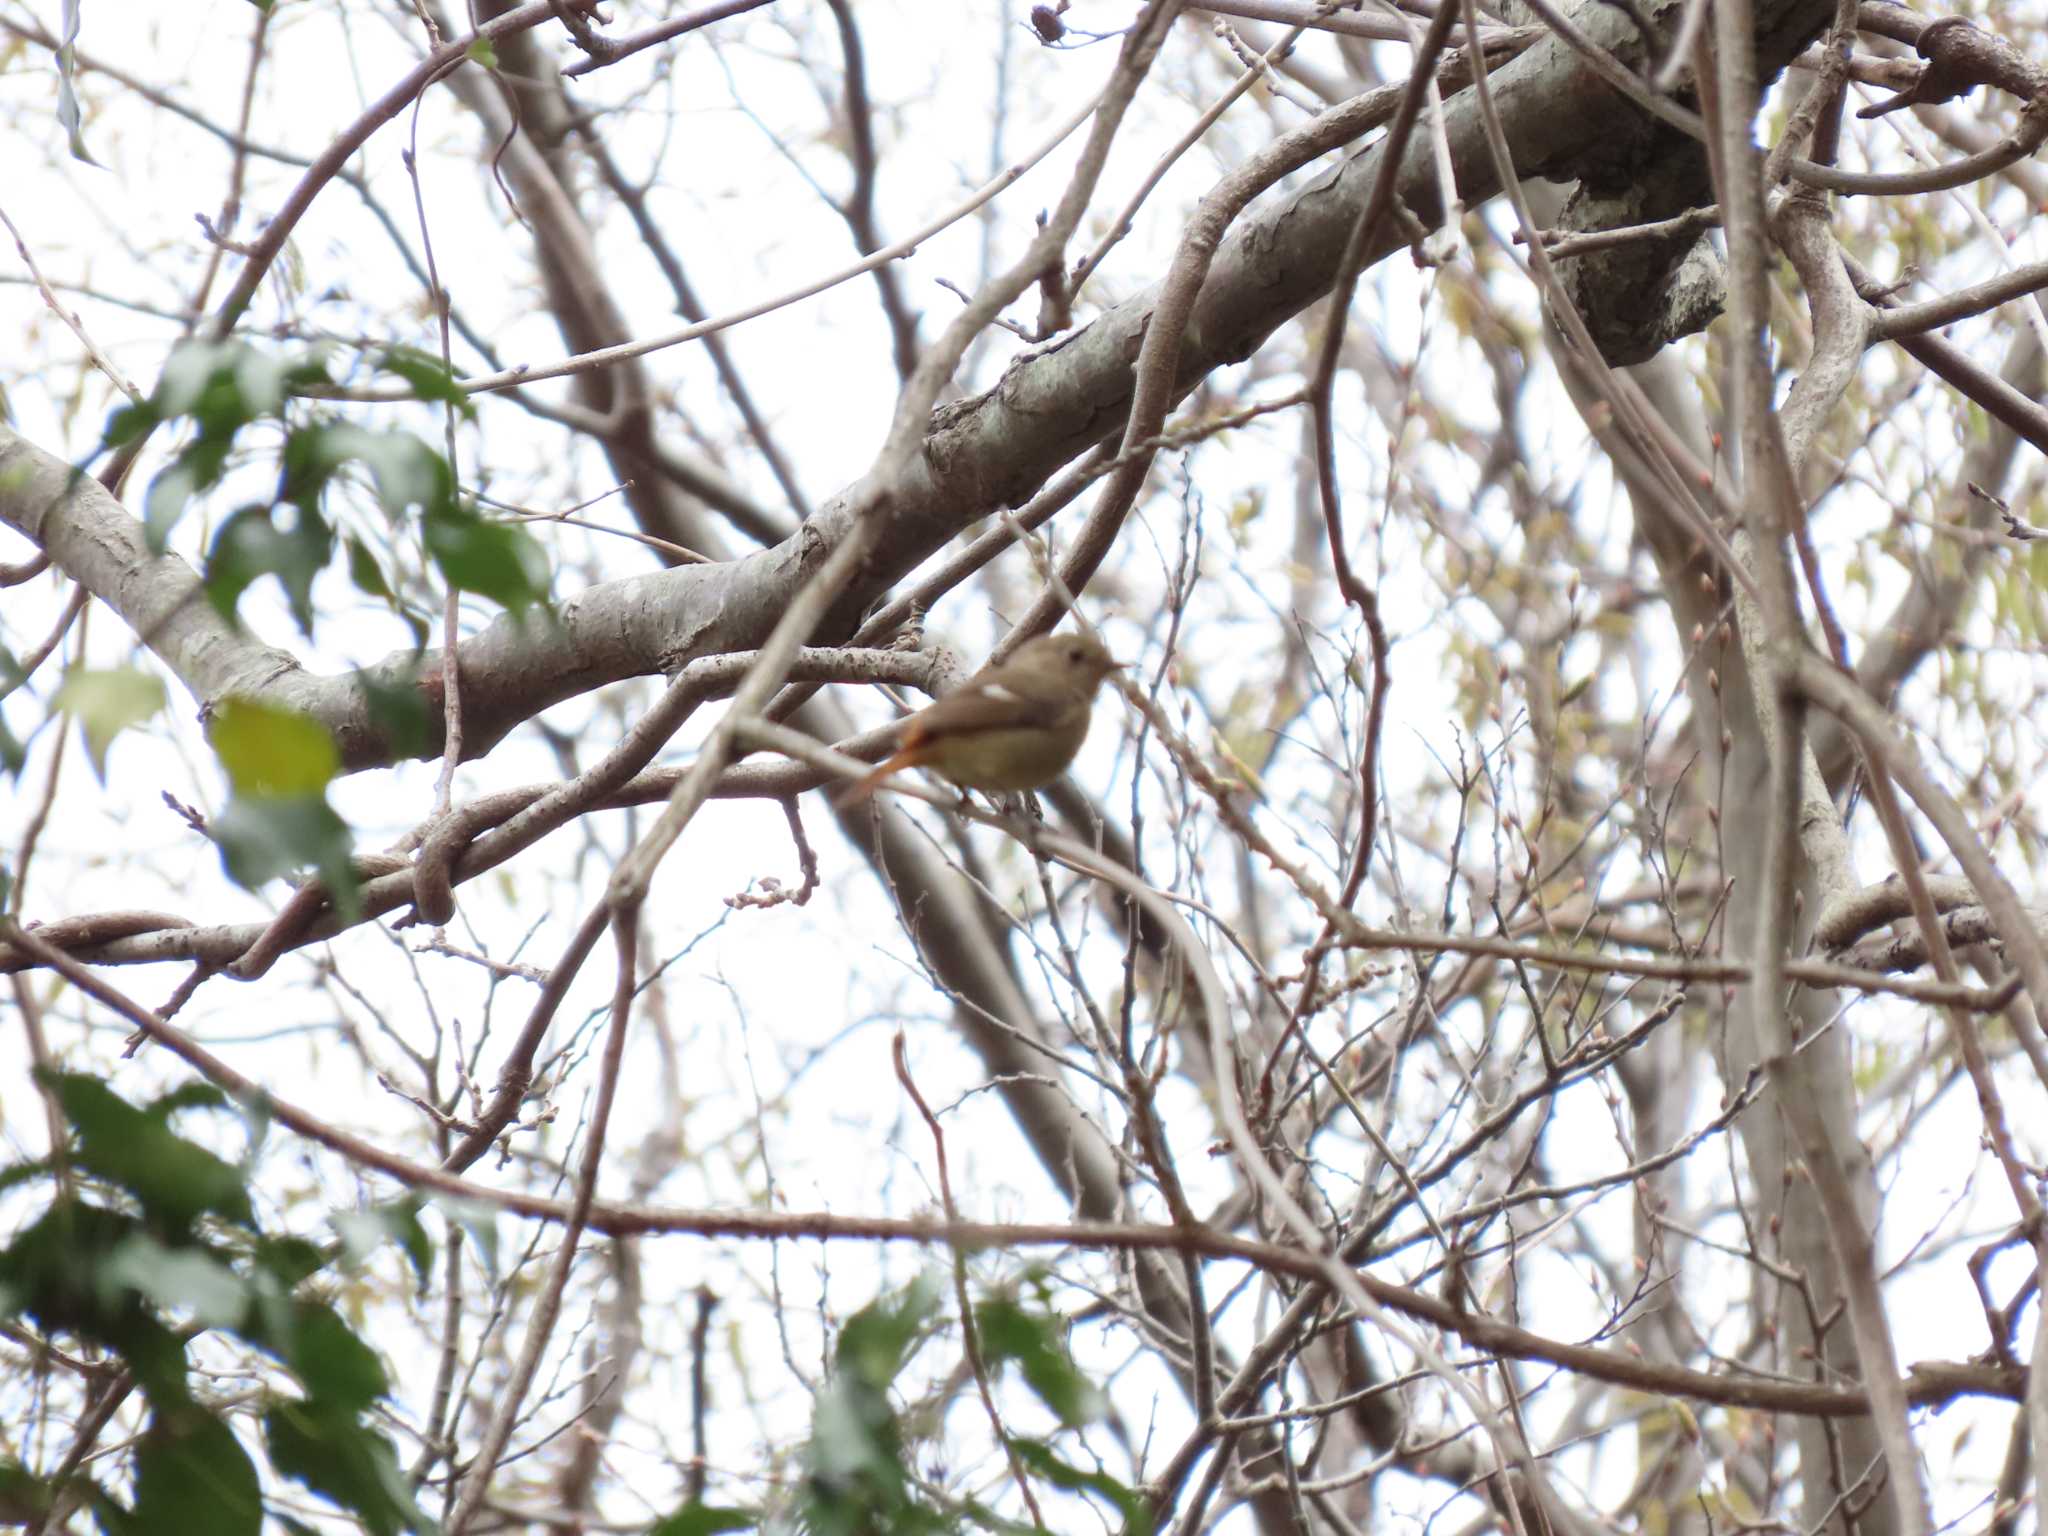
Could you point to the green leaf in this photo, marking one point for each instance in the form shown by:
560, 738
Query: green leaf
23, 1495
858, 1480
704, 1520
312, 456
429, 377
396, 1221
197, 469
186, 374
365, 572
251, 545
192, 1478
54, 1271
107, 702
287, 1260
1042, 1459
262, 837
191, 1095
187, 1280
112, 1516
225, 385
272, 753
279, 762
128, 422
876, 1341
406, 473
503, 563
480, 1221
1034, 1340
856, 1448
399, 710
174, 1180
481, 52
351, 1465
13, 758
368, 577
338, 1369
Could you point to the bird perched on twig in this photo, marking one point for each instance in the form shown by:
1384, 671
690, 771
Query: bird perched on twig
1012, 727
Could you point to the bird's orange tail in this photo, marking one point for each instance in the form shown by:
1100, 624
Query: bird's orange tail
869, 782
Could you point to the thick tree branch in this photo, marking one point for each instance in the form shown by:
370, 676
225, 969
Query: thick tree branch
995, 450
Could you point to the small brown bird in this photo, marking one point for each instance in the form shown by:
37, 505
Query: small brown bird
1011, 727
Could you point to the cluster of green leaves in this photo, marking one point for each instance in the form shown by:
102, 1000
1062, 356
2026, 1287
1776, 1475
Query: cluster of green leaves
859, 1465
279, 764
147, 1240
221, 389
13, 751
